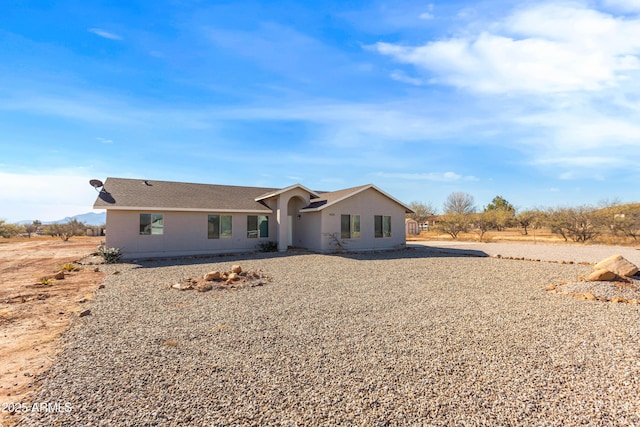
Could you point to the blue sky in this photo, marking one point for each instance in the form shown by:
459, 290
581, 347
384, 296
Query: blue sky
538, 102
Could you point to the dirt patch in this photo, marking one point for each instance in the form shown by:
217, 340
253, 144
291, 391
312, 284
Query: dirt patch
34, 312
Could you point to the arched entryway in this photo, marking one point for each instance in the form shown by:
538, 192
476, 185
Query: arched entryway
294, 221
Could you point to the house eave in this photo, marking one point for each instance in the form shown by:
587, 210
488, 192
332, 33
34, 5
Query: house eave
164, 209
360, 190
312, 193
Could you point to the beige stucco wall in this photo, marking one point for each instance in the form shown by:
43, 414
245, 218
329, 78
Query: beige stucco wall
367, 204
185, 233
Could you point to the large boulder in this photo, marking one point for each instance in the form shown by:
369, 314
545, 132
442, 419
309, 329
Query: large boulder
617, 264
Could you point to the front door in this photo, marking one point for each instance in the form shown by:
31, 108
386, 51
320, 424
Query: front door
290, 230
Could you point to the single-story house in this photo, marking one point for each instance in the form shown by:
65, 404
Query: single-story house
147, 218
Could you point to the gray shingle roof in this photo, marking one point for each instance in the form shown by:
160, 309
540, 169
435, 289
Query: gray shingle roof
122, 193
140, 194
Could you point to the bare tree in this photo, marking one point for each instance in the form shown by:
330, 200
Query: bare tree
67, 230
483, 222
454, 223
530, 219
421, 211
579, 224
32, 228
459, 203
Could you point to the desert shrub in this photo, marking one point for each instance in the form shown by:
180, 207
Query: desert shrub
109, 255
69, 267
338, 244
9, 230
269, 246
46, 281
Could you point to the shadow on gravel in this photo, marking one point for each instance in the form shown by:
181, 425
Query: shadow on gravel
412, 252
407, 253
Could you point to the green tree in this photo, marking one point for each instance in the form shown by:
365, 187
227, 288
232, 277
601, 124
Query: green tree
500, 204
503, 213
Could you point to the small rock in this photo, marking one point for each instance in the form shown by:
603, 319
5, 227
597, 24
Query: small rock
601, 275
619, 265
85, 313
236, 269
590, 296
234, 276
59, 275
204, 287
212, 275
182, 286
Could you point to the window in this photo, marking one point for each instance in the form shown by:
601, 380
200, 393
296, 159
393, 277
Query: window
349, 226
382, 226
151, 224
257, 226
386, 226
219, 227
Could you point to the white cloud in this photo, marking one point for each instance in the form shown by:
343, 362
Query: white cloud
105, 34
401, 76
47, 197
623, 5
545, 48
432, 176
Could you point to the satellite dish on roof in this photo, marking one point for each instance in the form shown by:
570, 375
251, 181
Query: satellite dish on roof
96, 183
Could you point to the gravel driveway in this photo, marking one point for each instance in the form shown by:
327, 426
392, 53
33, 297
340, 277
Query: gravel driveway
415, 337
546, 252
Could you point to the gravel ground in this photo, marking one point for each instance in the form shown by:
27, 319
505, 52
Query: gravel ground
545, 252
415, 337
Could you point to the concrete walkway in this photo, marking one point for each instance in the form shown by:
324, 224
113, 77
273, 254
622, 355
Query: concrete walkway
546, 252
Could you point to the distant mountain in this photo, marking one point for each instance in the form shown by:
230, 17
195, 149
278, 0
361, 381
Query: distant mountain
89, 218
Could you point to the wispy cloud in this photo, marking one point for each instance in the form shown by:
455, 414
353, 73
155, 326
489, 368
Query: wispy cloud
104, 140
432, 176
401, 76
105, 34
